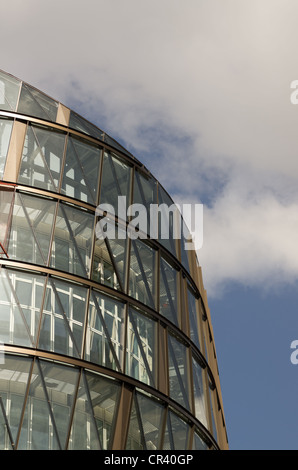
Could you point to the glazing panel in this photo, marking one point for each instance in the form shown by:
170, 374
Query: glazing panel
31, 229
6, 206
104, 267
146, 424
141, 347
5, 133
169, 291
193, 317
177, 433
14, 376
145, 193
84, 433
38, 430
184, 242
198, 442
110, 254
42, 158
116, 181
73, 236
82, 125
35, 103
214, 406
178, 371
167, 221
9, 92
20, 304
142, 272
199, 397
104, 395
105, 331
61, 383
81, 171
63, 318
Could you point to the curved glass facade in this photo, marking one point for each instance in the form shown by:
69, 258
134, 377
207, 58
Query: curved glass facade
106, 339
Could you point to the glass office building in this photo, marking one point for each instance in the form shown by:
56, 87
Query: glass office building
106, 342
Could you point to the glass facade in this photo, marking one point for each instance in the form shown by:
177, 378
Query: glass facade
97, 328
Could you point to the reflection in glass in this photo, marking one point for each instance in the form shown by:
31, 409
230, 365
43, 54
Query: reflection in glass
141, 347
105, 331
142, 272
31, 229
71, 250
42, 158
9, 92
81, 171
178, 371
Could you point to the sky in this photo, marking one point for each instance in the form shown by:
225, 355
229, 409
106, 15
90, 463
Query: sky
200, 92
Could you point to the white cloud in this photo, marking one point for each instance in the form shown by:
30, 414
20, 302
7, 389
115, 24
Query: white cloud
217, 72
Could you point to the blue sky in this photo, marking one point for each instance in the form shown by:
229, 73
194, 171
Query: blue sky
200, 92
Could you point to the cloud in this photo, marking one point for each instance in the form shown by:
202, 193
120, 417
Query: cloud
199, 91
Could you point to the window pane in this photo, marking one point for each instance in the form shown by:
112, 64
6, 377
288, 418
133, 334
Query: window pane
145, 193
38, 431
105, 395
81, 172
42, 158
142, 273
5, 133
9, 92
20, 303
14, 375
146, 424
105, 333
61, 382
177, 433
63, 318
141, 347
168, 301
31, 229
178, 371
110, 255
36, 103
71, 250
84, 432
6, 203
193, 317
199, 397
116, 180
167, 222
198, 442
